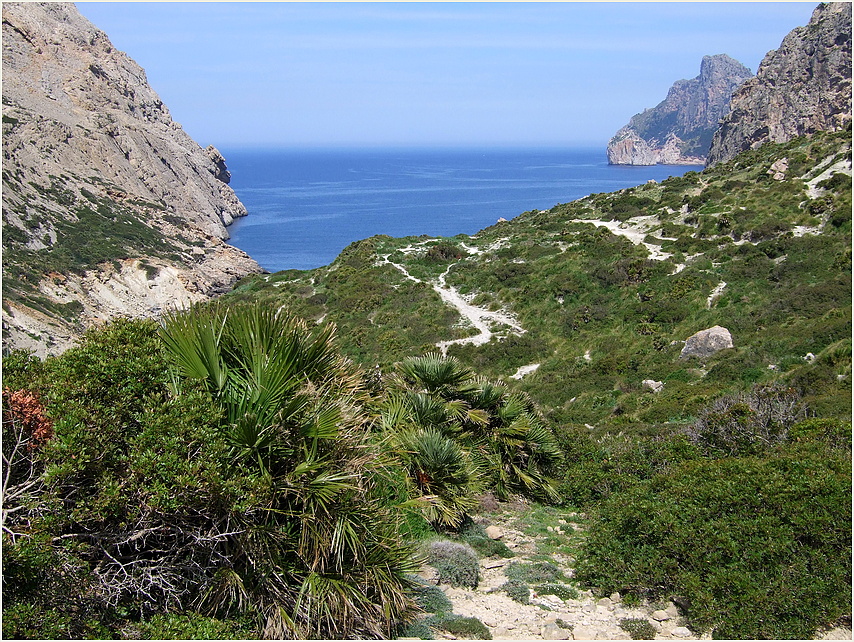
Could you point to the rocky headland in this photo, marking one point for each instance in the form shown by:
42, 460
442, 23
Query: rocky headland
109, 206
679, 129
801, 88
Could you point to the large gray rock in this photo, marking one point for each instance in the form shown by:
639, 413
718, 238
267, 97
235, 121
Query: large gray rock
87, 142
679, 129
707, 342
800, 88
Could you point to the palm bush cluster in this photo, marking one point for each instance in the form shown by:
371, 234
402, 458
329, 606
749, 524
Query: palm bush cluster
228, 477
326, 560
458, 435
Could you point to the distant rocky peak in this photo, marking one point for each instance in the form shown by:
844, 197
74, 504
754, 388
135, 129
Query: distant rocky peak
800, 88
680, 128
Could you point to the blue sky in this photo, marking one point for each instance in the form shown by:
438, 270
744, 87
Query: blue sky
458, 74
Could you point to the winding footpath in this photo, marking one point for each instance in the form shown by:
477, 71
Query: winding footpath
482, 319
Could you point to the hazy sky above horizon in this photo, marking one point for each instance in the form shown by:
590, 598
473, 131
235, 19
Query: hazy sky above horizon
327, 74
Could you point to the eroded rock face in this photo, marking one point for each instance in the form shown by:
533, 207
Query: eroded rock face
89, 147
679, 129
800, 88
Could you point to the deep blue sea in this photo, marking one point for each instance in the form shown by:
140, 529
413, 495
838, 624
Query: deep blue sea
305, 206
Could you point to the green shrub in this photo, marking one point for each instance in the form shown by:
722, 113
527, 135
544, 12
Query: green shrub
562, 591
638, 628
430, 598
488, 547
474, 534
600, 466
465, 627
832, 433
191, 626
517, 591
456, 563
150, 498
443, 252
760, 547
419, 629
535, 572
744, 424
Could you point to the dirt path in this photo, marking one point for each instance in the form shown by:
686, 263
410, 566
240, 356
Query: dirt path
482, 319
548, 617
636, 230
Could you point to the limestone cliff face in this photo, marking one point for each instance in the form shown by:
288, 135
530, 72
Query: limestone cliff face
800, 88
680, 128
109, 207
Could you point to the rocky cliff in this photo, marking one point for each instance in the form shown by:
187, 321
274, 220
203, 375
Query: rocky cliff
800, 88
109, 207
679, 129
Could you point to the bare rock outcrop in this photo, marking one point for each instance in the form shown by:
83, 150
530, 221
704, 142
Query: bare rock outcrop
99, 182
707, 342
679, 129
800, 88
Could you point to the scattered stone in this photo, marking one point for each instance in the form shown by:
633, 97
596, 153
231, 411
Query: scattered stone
616, 598
606, 602
707, 342
837, 634
779, 168
585, 633
809, 357
494, 532
554, 632
499, 563
672, 610
681, 632
655, 386
660, 615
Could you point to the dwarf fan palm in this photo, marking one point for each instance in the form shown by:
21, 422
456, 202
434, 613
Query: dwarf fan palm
318, 553
503, 430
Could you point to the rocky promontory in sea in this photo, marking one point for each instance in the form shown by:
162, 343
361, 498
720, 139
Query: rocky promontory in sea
109, 206
801, 88
679, 129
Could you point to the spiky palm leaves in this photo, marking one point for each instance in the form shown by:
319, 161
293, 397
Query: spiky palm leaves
317, 553
442, 473
499, 433
515, 444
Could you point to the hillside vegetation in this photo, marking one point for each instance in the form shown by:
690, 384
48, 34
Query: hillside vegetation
281, 462
765, 253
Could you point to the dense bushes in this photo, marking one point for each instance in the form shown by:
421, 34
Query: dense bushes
759, 547
745, 424
248, 491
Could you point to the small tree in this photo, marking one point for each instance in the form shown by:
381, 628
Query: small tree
745, 424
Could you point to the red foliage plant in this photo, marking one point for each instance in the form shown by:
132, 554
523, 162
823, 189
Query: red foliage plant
24, 408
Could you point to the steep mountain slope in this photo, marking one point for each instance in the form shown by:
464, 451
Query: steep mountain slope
109, 207
679, 129
800, 88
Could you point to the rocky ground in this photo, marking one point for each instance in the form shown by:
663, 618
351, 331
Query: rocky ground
586, 617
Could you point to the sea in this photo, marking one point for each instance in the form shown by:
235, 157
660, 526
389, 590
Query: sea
306, 205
